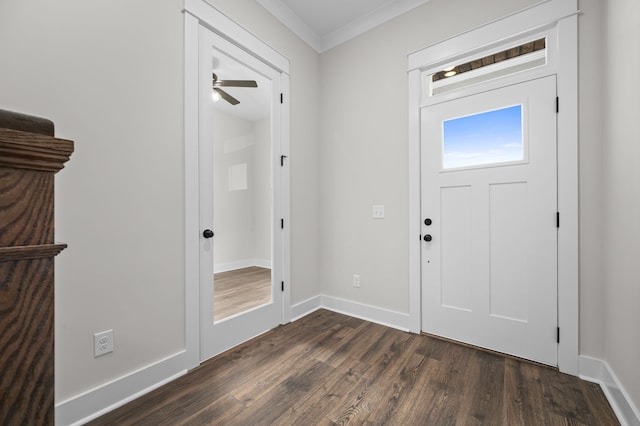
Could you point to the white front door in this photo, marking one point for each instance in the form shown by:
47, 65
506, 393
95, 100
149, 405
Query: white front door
489, 211
240, 186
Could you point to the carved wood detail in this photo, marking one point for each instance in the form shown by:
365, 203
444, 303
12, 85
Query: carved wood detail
28, 162
31, 151
30, 252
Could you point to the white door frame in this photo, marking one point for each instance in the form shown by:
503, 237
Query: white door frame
199, 13
559, 20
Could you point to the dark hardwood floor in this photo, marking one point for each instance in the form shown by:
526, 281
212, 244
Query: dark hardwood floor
328, 369
240, 290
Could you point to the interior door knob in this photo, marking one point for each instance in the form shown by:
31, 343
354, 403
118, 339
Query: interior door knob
427, 238
427, 221
208, 233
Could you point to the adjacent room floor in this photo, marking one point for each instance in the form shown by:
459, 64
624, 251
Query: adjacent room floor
240, 290
328, 369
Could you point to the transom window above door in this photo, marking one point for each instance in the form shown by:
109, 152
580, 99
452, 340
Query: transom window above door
508, 61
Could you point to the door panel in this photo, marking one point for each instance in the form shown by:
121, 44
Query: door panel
489, 188
240, 196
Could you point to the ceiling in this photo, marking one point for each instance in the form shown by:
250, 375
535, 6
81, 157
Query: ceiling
328, 23
255, 103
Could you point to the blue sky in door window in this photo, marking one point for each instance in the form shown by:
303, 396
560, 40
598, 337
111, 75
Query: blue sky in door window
486, 138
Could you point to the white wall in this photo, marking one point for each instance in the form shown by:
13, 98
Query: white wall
364, 148
621, 172
590, 165
110, 75
262, 205
233, 210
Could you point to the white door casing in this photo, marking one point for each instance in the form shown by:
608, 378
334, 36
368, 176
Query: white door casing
202, 18
557, 20
489, 271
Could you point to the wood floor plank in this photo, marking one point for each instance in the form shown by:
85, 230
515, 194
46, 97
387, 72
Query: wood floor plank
328, 393
388, 394
240, 290
293, 390
594, 396
222, 411
379, 393
328, 369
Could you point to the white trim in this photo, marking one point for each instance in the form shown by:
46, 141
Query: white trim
598, 371
293, 22
386, 317
531, 19
415, 290
262, 263
285, 135
398, 320
93, 403
225, 27
191, 197
305, 307
568, 233
323, 42
240, 264
363, 24
544, 16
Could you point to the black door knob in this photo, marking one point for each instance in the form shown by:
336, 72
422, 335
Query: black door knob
427, 238
208, 233
427, 221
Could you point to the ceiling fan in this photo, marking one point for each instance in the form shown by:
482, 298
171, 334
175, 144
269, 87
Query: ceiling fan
230, 83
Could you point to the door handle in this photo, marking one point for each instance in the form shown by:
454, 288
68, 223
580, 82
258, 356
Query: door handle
427, 221
208, 233
427, 238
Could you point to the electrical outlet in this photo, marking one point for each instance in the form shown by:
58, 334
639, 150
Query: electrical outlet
377, 212
102, 343
356, 280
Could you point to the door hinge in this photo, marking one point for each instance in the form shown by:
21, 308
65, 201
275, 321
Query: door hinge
558, 334
282, 285
281, 223
557, 219
282, 157
557, 104
281, 98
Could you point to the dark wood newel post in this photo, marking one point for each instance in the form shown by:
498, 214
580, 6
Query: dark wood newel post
29, 158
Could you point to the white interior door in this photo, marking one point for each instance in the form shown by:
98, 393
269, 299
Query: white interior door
240, 185
489, 203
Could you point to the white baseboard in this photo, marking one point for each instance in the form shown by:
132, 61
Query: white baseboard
305, 307
263, 263
393, 319
91, 404
599, 371
239, 264
370, 313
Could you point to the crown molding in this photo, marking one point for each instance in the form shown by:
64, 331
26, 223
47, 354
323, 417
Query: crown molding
323, 42
293, 22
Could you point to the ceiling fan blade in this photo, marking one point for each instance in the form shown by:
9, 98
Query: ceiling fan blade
236, 83
227, 97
